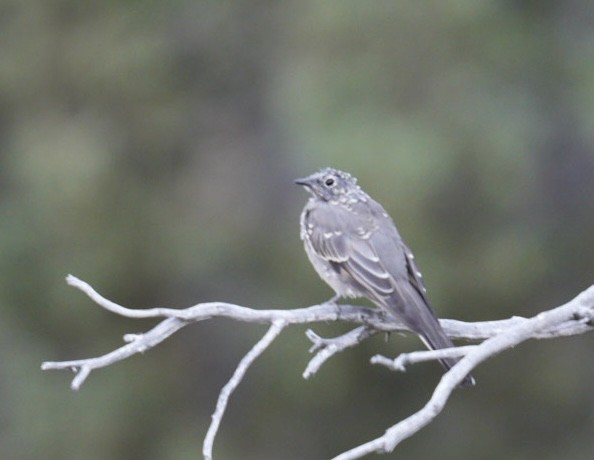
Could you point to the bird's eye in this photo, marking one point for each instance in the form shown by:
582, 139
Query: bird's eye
330, 181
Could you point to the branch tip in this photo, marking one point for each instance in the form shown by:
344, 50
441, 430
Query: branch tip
129, 338
73, 280
398, 364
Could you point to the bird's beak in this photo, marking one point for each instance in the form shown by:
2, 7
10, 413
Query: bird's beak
305, 181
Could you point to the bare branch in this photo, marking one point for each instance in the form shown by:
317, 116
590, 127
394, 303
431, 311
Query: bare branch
137, 343
326, 348
580, 307
244, 364
575, 317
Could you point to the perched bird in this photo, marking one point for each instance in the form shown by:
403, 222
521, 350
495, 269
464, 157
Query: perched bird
355, 247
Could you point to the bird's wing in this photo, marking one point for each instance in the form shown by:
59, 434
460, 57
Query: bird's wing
344, 238
364, 245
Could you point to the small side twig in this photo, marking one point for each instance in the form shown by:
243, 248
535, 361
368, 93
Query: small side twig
326, 348
136, 343
402, 361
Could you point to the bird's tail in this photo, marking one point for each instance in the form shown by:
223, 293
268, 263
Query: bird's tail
415, 311
436, 340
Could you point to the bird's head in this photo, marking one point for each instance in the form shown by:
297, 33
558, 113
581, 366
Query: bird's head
330, 184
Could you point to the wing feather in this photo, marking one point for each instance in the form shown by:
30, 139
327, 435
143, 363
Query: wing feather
347, 240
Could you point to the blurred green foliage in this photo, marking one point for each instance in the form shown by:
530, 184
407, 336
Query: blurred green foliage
149, 148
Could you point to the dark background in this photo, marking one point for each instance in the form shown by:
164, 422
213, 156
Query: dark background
149, 148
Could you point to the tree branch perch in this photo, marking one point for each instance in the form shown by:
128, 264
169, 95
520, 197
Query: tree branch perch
573, 318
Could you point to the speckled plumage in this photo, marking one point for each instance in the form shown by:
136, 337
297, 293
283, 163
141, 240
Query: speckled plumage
355, 247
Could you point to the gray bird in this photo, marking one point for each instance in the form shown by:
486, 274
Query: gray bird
355, 247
